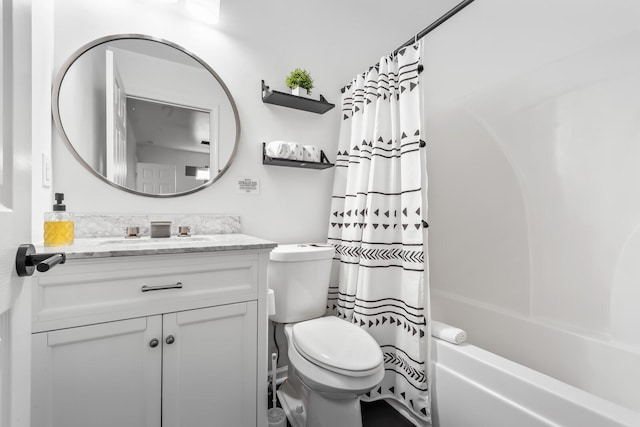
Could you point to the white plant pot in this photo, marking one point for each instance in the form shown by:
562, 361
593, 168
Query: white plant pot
300, 92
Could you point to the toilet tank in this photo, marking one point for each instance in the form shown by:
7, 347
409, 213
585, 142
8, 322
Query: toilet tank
299, 277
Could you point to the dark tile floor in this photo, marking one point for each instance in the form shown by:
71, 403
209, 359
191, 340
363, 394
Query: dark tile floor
379, 414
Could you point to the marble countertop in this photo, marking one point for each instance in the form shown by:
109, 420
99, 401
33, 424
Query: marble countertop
106, 247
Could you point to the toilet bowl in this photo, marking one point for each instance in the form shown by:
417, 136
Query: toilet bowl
331, 361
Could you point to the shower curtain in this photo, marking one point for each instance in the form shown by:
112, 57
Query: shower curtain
379, 280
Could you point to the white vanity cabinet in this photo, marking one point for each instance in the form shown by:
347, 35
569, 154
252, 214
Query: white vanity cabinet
205, 380
191, 351
98, 375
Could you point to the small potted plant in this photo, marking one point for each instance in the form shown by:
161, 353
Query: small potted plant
300, 82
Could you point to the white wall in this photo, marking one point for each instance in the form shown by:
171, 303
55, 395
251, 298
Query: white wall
292, 204
41, 63
83, 95
533, 114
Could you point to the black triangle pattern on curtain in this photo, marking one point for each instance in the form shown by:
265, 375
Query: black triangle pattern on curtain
376, 224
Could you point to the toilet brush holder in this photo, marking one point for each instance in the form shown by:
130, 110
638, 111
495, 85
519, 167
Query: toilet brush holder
276, 417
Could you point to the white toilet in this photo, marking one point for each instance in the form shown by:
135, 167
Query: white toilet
331, 361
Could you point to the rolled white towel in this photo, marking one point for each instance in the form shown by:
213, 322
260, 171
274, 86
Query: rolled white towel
296, 151
278, 149
311, 153
447, 332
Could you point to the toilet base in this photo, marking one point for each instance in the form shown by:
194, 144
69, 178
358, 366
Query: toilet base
289, 403
318, 409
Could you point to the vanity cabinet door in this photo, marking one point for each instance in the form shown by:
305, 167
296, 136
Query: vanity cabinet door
209, 367
101, 375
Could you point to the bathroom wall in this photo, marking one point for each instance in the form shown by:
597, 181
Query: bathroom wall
533, 114
292, 204
41, 159
253, 41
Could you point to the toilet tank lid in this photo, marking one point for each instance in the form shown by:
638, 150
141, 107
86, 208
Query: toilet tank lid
302, 252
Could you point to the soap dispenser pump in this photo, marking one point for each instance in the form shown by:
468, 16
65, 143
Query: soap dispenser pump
58, 225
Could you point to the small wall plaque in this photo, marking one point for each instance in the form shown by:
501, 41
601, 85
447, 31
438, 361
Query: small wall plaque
248, 186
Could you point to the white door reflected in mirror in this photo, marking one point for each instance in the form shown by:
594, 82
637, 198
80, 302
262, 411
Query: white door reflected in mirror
173, 135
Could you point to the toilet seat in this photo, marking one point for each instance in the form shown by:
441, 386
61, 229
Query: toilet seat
326, 381
337, 346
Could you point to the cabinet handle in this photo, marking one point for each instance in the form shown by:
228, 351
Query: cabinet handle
154, 343
170, 339
146, 288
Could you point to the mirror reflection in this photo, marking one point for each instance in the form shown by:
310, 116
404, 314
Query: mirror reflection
146, 116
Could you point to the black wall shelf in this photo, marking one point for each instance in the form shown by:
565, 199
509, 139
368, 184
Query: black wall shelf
322, 164
298, 102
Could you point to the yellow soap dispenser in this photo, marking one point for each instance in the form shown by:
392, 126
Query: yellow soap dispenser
58, 225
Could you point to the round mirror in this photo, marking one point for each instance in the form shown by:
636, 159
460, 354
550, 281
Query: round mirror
145, 115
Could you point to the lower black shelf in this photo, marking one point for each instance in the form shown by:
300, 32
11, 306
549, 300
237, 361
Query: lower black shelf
322, 164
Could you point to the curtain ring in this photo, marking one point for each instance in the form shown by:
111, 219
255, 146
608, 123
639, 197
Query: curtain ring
415, 39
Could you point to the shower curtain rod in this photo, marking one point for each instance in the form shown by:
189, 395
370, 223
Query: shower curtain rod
435, 24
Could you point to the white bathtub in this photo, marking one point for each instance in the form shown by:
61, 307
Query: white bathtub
475, 388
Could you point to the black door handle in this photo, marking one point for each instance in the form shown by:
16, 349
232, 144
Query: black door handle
27, 260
